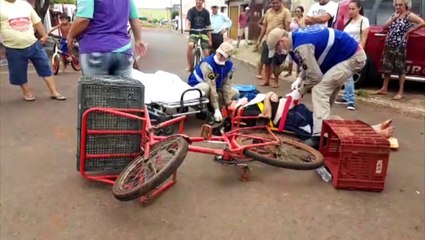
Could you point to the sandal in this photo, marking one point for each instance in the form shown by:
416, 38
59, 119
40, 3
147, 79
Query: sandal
397, 97
29, 98
287, 75
58, 97
264, 84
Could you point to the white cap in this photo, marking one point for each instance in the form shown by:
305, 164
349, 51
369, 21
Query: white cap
225, 49
273, 39
247, 8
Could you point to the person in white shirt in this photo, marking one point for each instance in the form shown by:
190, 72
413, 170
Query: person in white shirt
357, 27
322, 12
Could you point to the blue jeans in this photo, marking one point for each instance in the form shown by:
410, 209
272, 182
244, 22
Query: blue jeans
349, 94
18, 63
112, 63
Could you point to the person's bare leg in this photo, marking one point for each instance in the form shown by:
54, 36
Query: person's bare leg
26, 91
206, 52
267, 112
290, 66
382, 125
50, 82
387, 132
259, 69
399, 95
189, 55
267, 74
384, 89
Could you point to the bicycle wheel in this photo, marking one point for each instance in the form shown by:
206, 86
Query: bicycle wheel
143, 175
55, 64
288, 153
196, 58
75, 64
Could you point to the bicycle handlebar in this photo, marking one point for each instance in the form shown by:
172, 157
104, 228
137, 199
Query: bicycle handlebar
199, 30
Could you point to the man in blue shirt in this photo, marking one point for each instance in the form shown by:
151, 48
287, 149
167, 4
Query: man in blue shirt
215, 73
327, 58
220, 23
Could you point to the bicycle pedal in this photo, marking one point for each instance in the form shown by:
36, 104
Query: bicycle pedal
206, 132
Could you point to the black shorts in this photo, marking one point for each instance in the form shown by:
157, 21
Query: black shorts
265, 54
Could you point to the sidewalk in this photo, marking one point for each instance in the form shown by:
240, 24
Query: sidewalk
411, 104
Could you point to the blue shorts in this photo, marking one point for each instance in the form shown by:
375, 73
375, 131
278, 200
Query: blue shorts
18, 63
63, 45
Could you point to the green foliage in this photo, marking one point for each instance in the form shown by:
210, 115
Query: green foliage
143, 18
64, 1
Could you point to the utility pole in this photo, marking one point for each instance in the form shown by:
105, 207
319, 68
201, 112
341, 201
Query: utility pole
181, 17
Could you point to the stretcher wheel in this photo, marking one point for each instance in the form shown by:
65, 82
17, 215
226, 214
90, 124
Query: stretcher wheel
144, 174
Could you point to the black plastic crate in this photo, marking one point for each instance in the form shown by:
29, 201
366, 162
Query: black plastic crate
109, 92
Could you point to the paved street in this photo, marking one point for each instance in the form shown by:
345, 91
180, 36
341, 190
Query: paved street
42, 196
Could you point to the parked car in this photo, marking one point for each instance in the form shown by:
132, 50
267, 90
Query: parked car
378, 12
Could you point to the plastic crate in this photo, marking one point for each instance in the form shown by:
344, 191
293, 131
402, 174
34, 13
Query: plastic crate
355, 154
110, 92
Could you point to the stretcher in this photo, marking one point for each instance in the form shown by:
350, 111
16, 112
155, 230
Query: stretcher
168, 96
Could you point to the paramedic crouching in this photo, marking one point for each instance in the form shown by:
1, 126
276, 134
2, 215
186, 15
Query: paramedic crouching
327, 58
215, 73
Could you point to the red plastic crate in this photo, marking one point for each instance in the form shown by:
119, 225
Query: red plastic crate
355, 154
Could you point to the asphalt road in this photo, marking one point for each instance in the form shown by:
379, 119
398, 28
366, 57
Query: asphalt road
43, 197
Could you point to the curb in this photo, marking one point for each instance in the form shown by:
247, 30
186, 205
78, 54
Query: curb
370, 100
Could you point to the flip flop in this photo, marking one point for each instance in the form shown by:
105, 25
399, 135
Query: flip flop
379, 92
397, 97
58, 97
264, 84
287, 75
29, 98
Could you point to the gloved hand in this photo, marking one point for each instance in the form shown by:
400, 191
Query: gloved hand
296, 84
295, 94
217, 115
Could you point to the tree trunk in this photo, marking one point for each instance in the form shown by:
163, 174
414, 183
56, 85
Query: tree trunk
41, 8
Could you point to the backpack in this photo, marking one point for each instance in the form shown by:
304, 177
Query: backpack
299, 120
248, 91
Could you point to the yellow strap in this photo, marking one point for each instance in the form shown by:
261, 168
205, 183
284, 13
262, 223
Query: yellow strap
261, 107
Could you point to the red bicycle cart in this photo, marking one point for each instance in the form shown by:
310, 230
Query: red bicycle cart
160, 156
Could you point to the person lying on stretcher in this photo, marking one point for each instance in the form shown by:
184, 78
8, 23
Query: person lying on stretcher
299, 118
214, 74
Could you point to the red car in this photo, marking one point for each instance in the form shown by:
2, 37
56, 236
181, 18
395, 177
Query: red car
378, 12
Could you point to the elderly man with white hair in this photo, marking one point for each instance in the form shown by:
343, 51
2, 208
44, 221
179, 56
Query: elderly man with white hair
327, 58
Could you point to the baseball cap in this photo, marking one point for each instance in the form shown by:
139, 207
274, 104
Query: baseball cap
247, 8
214, 6
272, 40
225, 49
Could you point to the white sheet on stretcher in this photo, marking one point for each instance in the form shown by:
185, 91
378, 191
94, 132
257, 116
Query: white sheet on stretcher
164, 87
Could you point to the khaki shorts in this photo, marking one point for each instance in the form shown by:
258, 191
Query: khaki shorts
193, 38
242, 32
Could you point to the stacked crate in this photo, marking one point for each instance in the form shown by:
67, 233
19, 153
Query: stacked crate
109, 92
